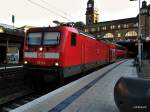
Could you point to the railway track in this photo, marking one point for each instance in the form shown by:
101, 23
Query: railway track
12, 85
15, 96
16, 100
19, 102
14, 92
24, 97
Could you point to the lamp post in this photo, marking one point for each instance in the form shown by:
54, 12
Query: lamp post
139, 38
13, 21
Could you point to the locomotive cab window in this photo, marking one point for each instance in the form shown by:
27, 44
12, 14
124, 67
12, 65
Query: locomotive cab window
73, 39
51, 38
34, 38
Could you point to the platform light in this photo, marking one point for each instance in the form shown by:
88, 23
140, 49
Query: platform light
41, 49
1, 30
140, 44
25, 62
56, 64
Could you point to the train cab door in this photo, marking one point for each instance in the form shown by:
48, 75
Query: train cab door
112, 56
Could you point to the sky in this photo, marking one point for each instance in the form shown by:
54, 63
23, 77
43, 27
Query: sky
43, 12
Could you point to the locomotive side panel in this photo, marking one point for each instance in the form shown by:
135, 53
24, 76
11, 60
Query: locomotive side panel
72, 54
95, 53
105, 53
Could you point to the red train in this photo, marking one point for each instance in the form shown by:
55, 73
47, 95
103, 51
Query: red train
60, 52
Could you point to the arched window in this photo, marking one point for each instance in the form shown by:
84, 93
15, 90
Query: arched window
131, 34
125, 26
119, 26
112, 27
103, 28
108, 35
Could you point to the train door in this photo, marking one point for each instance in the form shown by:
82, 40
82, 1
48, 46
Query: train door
2, 54
112, 56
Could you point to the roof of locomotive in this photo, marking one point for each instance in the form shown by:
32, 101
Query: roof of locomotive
59, 28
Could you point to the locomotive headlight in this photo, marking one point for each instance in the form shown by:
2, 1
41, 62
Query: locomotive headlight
41, 49
56, 64
25, 62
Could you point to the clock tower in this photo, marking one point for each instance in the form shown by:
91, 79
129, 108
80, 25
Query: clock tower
92, 15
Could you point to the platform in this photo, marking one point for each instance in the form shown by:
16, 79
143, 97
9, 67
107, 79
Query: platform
10, 66
92, 93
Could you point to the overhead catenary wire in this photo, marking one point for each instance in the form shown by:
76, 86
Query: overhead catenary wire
49, 10
47, 3
60, 10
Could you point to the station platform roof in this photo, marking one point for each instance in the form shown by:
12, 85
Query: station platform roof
11, 34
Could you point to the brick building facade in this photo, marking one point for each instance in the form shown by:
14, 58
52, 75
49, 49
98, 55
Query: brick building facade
118, 30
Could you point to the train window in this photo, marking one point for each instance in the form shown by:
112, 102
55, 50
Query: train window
73, 39
51, 38
34, 38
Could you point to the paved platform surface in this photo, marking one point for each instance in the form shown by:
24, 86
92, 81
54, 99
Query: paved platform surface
10, 66
92, 93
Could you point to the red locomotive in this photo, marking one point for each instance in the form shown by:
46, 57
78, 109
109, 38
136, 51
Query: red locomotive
61, 52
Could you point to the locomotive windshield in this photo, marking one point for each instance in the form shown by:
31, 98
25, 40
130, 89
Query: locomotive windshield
51, 38
34, 38
45, 38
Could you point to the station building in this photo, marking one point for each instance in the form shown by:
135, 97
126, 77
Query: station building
122, 31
